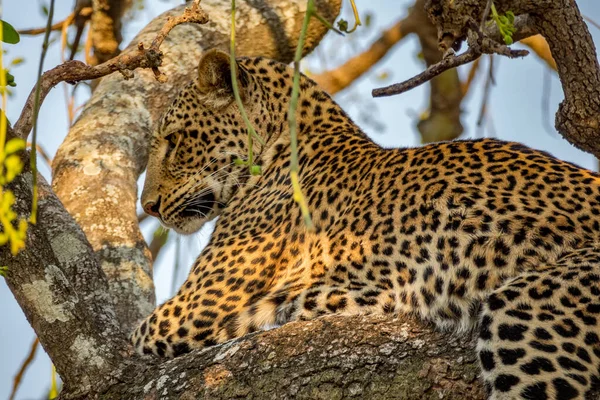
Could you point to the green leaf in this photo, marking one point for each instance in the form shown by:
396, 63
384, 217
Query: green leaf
10, 79
17, 61
3, 271
9, 34
511, 17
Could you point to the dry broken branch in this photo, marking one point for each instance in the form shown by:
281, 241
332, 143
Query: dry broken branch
74, 71
26, 363
571, 45
55, 27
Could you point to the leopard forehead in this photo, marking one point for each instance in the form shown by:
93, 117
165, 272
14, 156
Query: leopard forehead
268, 81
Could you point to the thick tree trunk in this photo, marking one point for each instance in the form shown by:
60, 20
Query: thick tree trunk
362, 357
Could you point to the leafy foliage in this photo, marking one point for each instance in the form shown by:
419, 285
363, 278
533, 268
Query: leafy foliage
505, 23
9, 34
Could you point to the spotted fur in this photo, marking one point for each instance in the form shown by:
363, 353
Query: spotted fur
474, 233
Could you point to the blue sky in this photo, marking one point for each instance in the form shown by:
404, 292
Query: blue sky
515, 106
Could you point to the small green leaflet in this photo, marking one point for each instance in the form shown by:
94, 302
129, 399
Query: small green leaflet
9, 34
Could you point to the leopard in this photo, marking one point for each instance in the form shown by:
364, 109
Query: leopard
482, 236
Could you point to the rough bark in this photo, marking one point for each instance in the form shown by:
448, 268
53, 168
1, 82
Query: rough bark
105, 29
363, 357
96, 169
578, 116
62, 290
59, 282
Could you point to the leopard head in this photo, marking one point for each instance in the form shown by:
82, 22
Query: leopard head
194, 161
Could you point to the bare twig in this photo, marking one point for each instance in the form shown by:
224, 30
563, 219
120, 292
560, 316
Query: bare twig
87, 49
478, 45
425, 76
55, 27
74, 71
86, 12
83, 13
159, 239
26, 363
42, 152
485, 14
486, 94
63, 35
546, 87
591, 21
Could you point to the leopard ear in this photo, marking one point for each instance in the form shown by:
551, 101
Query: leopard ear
214, 77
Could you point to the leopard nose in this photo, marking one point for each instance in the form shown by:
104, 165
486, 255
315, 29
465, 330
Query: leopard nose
152, 207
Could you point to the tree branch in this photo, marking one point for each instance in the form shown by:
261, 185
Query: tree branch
572, 47
75, 71
561, 24
105, 154
477, 46
63, 292
105, 28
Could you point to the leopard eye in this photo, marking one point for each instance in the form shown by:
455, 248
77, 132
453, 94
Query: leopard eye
173, 140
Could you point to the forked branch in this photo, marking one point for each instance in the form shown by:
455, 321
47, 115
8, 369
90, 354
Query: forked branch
479, 44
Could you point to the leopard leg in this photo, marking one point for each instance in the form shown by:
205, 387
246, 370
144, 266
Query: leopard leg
540, 334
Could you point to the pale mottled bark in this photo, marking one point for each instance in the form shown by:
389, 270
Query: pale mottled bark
97, 167
62, 290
